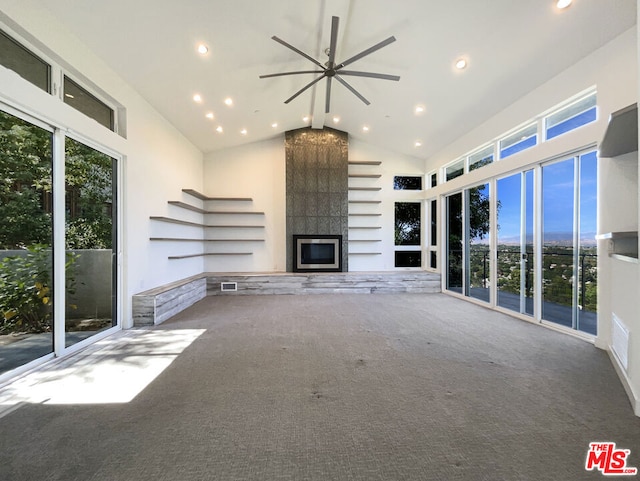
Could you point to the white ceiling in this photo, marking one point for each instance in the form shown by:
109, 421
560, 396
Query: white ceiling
512, 46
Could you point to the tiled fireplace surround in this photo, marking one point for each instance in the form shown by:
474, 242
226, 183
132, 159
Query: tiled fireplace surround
317, 186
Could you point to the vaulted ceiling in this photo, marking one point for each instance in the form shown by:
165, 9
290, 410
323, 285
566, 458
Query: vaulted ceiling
511, 47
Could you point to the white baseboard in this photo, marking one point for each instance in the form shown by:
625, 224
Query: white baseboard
634, 399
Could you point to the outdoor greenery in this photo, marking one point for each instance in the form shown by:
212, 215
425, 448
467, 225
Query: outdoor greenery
26, 198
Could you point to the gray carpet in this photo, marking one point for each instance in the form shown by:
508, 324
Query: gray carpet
341, 387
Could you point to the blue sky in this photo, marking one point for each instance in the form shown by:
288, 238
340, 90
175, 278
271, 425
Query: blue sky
557, 181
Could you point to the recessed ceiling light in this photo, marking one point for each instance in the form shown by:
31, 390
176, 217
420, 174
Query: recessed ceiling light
69, 96
228, 101
219, 129
418, 143
461, 63
419, 109
274, 125
209, 115
365, 129
197, 98
563, 3
305, 118
243, 131
336, 119
203, 49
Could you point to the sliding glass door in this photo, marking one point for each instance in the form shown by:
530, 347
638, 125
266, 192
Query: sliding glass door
569, 256
26, 239
468, 253
514, 253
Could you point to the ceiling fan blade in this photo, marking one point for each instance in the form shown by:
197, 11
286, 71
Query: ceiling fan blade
310, 84
290, 73
383, 76
327, 104
299, 52
366, 52
334, 40
354, 91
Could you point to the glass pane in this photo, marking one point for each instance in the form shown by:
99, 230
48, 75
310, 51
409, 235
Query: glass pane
557, 243
26, 263
480, 159
433, 261
90, 234
521, 140
454, 242
571, 117
434, 180
588, 259
80, 99
434, 223
454, 170
408, 259
30, 67
407, 224
407, 183
478, 261
515, 250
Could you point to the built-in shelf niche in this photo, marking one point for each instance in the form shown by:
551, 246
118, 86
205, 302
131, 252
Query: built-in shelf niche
364, 207
622, 245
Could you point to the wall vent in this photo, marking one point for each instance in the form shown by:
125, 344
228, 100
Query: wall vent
620, 340
228, 286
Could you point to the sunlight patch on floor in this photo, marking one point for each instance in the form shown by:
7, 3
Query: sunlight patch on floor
114, 370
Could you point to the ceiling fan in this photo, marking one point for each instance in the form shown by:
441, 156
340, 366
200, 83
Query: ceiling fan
331, 69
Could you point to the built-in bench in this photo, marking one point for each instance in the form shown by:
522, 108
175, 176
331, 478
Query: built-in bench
159, 304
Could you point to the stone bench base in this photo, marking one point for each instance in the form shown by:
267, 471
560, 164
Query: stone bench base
159, 304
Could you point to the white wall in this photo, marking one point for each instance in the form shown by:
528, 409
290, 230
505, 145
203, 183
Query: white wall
158, 161
613, 69
257, 171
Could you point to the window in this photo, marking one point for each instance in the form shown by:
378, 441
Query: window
80, 99
408, 259
407, 233
407, 224
434, 179
521, 140
454, 170
405, 182
481, 158
571, 117
29, 66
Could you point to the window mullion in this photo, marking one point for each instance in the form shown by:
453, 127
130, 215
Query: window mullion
59, 251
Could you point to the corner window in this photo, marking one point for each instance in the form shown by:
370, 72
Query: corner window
80, 99
26, 64
404, 182
519, 141
407, 224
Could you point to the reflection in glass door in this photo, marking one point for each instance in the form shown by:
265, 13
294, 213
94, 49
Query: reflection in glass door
26, 262
90, 235
515, 255
477, 229
569, 259
454, 242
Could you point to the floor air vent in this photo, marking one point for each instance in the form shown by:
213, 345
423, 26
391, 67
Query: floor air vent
620, 340
228, 286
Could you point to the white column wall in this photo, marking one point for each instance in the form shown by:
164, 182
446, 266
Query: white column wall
158, 161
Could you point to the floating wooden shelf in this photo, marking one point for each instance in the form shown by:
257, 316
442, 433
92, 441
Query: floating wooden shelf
363, 227
365, 253
370, 189
175, 221
187, 256
364, 240
364, 162
364, 215
180, 239
365, 202
200, 196
235, 226
232, 212
365, 176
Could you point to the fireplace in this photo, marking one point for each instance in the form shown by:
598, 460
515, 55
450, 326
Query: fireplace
317, 253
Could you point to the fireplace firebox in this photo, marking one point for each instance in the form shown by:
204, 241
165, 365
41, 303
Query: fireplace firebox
317, 253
